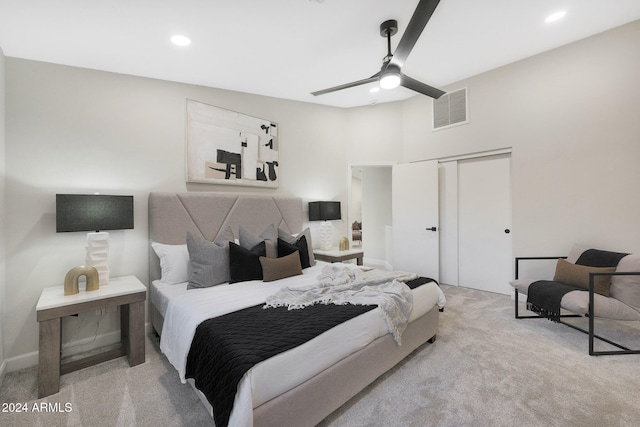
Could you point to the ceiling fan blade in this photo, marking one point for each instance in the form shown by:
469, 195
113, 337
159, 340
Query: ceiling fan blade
371, 79
420, 87
418, 21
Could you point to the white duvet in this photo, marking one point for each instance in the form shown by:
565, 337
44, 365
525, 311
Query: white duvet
184, 310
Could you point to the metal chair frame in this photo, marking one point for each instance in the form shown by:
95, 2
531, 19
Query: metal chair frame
591, 331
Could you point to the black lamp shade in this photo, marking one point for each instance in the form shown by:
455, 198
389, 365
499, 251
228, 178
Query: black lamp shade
324, 211
92, 212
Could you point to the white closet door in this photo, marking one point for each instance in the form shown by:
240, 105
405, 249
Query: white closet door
415, 218
484, 223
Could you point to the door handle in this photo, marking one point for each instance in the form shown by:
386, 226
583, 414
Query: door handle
432, 229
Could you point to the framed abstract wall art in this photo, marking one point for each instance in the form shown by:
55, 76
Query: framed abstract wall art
227, 147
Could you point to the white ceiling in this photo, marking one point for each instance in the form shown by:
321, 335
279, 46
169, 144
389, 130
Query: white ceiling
289, 48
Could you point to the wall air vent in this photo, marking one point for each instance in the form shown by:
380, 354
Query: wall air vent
450, 109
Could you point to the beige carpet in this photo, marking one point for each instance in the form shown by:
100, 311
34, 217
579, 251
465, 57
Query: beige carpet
485, 369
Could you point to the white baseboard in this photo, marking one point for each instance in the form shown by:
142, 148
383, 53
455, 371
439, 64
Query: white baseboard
23, 361
3, 371
73, 348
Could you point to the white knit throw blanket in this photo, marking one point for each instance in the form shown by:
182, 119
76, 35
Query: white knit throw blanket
343, 285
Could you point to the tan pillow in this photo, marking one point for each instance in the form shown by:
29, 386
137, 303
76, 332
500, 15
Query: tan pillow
578, 275
279, 268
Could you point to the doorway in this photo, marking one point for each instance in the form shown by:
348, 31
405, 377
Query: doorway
370, 208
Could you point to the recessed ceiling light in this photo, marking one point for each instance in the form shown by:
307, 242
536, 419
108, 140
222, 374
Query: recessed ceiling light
180, 40
555, 16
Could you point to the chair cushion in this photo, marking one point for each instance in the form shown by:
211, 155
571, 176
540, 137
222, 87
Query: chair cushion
521, 285
627, 288
610, 308
578, 302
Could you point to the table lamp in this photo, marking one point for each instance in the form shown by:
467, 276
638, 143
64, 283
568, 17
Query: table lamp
95, 213
325, 212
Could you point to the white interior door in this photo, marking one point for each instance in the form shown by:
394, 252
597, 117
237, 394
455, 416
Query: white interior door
415, 218
484, 223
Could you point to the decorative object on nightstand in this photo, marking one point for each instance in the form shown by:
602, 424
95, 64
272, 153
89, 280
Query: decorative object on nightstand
94, 212
325, 211
71, 279
344, 244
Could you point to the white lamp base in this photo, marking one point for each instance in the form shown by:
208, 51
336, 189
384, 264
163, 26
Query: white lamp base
98, 254
326, 239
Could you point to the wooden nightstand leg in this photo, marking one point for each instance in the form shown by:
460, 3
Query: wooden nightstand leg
49, 358
359, 260
132, 331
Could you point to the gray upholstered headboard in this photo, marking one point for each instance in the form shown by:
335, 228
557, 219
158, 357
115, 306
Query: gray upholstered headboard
171, 215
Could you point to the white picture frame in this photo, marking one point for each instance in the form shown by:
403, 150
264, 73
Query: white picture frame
230, 148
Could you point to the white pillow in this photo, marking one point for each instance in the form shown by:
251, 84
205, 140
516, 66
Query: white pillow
174, 262
627, 288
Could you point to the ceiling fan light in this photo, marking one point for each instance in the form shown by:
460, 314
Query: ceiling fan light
390, 80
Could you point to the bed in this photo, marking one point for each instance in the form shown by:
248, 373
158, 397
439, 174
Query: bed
300, 386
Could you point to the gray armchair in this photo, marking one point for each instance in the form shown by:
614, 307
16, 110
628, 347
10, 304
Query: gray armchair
588, 282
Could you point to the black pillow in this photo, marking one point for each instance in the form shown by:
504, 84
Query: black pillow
244, 264
286, 248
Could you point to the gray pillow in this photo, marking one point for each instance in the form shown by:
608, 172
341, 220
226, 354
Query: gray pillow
209, 261
269, 236
293, 239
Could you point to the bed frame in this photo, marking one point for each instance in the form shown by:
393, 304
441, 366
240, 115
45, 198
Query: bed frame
171, 215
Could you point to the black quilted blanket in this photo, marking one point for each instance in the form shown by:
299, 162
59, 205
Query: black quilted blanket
226, 347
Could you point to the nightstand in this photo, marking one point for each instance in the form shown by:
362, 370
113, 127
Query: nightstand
127, 292
335, 255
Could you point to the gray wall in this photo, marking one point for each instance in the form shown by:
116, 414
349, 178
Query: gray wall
78, 130
3, 275
570, 116
376, 213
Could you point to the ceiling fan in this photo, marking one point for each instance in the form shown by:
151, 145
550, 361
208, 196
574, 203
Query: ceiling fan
390, 75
